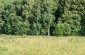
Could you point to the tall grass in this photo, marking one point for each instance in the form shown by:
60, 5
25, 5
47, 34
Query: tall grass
41, 45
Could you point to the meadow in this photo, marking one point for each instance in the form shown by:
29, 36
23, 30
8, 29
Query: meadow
41, 45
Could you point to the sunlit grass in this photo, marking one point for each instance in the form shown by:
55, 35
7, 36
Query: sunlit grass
41, 45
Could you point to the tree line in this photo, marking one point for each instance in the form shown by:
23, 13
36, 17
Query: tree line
42, 17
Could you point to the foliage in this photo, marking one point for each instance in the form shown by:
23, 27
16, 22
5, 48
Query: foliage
70, 16
69, 24
42, 17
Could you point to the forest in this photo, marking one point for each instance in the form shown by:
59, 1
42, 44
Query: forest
42, 17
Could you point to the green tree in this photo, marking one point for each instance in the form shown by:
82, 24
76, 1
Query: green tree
69, 24
40, 17
48, 8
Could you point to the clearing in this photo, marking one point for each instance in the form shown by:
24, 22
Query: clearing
41, 45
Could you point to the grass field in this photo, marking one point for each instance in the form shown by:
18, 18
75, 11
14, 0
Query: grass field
41, 45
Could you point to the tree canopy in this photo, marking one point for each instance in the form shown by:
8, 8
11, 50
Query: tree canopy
42, 17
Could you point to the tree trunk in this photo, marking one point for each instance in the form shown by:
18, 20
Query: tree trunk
48, 31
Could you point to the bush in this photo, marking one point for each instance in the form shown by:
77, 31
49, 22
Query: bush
69, 24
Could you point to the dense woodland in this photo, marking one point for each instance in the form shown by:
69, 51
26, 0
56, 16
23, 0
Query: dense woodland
42, 17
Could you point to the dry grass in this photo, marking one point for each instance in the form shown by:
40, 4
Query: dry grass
41, 45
